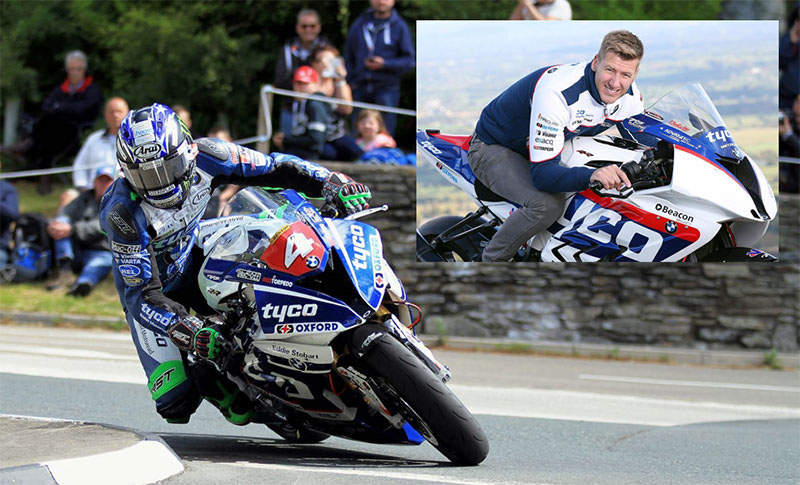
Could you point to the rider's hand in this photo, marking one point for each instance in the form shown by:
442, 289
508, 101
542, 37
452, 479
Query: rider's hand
191, 334
611, 177
345, 193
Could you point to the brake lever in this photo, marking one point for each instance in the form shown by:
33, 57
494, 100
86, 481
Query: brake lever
622, 193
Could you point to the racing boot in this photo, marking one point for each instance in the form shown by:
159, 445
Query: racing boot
231, 402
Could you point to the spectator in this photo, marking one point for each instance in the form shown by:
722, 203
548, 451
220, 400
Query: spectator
789, 146
378, 51
99, 150
79, 240
183, 114
542, 10
789, 62
339, 145
371, 131
296, 53
70, 107
309, 119
9, 210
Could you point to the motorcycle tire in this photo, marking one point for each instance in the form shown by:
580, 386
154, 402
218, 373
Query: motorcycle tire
427, 403
466, 248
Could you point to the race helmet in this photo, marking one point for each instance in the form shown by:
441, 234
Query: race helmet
157, 155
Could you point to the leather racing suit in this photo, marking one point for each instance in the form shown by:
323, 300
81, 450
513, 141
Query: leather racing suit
154, 263
541, 111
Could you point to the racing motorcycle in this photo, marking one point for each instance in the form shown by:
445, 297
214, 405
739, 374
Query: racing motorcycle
694, 196
320, 331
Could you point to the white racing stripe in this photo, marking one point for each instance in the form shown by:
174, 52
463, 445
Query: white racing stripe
669, 382
376, 474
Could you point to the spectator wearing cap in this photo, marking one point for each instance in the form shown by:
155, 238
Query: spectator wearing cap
310, 119
79, 242
295, 53
378, 51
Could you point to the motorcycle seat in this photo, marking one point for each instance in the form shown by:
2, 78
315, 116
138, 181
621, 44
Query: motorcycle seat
486, 194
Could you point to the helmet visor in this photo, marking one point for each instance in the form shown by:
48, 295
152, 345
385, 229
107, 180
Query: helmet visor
160, 176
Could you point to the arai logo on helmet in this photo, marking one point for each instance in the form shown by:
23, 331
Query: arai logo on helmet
147, 151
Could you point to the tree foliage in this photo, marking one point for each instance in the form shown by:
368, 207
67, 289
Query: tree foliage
212, 55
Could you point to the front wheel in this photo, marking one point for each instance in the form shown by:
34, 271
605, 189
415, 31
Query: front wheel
426, 403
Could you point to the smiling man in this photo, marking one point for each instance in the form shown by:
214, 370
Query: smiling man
520, 134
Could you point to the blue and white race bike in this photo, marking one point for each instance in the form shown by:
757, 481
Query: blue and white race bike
696, 196
320, 329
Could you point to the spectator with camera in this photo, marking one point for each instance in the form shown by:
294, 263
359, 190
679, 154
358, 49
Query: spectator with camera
339, 144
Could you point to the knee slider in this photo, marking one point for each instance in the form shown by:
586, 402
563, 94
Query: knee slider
181, 407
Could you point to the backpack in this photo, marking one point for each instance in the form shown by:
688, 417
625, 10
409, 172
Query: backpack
33, 247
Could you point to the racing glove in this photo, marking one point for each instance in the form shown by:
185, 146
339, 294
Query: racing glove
347, 195
190, 334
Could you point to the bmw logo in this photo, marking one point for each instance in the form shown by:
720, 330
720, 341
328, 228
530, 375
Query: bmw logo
671, 227
737, 153
312, 262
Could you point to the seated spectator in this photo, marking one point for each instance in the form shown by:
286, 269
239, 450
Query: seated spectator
9, 210
68, 109
309, 119
295, 53
371, 131
339, 145
100, 148
542, 10
378, 51
79, 241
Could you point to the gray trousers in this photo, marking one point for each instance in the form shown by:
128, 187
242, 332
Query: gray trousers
508, 174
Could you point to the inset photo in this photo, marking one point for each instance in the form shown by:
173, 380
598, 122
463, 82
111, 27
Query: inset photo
597, 141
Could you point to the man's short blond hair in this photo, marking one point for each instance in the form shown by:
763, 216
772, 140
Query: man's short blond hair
622, 43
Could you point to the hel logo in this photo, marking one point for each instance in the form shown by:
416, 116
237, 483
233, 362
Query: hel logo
280, 312
360, 252
380, 282
147, 151
298, 244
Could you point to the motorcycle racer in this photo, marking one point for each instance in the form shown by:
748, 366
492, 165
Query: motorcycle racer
518, 140
150, 216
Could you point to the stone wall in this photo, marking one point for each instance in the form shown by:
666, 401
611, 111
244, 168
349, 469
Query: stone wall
686, 305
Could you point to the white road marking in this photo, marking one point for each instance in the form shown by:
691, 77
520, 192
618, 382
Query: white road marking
608, 408
670, 382
377, 474
62, 352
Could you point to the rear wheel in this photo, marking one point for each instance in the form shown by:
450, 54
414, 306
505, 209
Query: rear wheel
426, 403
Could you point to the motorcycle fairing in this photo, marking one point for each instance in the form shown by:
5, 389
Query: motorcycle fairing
359, 247
301, 314
447, 150
295, 251
595, 228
